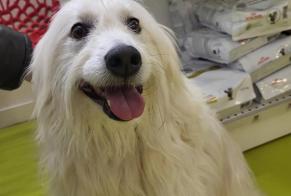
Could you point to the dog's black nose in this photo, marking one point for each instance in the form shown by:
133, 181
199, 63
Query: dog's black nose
123, 61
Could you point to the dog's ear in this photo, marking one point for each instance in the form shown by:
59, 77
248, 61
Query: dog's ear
165, 41
171, 35
169, 44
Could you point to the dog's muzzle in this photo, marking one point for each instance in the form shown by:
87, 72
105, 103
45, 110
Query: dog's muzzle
123, 102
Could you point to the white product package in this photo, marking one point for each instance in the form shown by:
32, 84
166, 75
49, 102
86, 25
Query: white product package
183, 22
182, 18
225, 90
276, 84
245, 19
266, 60
219, 47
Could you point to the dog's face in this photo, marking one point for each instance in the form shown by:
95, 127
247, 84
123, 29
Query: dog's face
103, 55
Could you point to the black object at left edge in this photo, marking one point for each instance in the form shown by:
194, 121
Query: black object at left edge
15, 56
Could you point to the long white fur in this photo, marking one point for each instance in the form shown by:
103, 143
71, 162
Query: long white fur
176, 148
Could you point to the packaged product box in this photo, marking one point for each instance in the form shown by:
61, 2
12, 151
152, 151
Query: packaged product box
226, 90
266, 60
219, 47
275, 85
245, 19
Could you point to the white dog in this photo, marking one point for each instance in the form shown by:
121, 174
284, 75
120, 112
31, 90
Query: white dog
115, 115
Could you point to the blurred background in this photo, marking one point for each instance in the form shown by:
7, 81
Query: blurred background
238, 52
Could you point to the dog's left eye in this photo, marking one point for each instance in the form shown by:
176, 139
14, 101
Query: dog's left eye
80, 30
133, 24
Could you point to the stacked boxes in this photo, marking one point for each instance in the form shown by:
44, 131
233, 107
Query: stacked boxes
242, 45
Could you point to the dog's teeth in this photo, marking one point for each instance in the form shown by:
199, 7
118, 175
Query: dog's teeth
108, 102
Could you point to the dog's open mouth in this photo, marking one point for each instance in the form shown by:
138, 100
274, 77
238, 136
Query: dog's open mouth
122, 103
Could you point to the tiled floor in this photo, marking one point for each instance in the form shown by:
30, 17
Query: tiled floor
18, 164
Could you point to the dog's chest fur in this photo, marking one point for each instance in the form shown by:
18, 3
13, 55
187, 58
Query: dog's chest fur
137, 161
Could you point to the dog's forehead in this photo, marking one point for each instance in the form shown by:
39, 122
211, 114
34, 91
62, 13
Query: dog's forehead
99, 8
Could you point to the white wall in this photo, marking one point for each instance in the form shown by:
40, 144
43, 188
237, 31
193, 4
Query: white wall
159, 8
16, 106
11, 98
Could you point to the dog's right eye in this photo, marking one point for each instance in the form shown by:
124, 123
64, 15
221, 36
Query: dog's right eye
80, 30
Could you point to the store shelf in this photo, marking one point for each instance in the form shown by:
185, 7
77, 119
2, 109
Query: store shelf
261, 123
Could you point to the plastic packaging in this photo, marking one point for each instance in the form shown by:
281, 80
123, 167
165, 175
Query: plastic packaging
183, 22
245, 19
182, 18
266, 60
276, 84
225, 90
219, 47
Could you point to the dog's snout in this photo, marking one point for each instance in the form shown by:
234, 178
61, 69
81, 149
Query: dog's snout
123, 61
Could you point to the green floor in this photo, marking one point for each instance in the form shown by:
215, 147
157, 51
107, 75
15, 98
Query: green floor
18, 164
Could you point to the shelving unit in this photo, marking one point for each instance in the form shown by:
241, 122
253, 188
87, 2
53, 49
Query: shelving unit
255, 123
261, 123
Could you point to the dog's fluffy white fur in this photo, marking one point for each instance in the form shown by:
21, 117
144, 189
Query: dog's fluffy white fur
176, 148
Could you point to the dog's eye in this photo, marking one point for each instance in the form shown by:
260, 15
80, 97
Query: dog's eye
133, 24
80, 30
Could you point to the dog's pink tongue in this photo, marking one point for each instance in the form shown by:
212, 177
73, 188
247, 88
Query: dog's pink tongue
125, 102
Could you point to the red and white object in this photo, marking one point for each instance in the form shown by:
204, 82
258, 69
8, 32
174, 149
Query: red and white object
30, 17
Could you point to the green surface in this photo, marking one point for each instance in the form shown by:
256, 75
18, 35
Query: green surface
271, 164
18, 164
